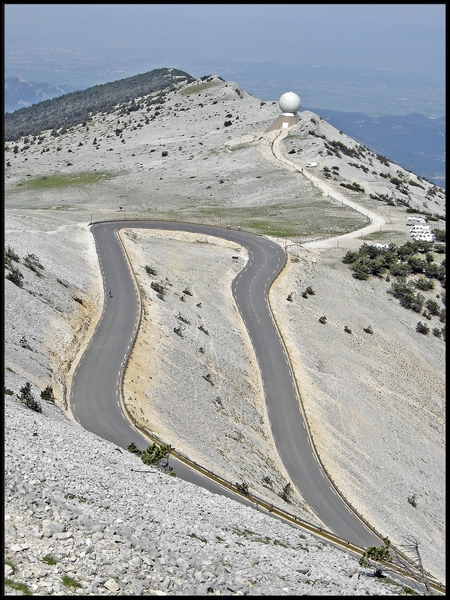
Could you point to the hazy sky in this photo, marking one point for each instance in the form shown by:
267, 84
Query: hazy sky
204, 39
387, 36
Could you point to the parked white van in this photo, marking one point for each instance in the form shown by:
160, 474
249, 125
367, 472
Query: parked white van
311, 164
416, 221
420, 229
424, 237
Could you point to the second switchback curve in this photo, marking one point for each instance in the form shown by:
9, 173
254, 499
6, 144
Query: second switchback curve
96, 386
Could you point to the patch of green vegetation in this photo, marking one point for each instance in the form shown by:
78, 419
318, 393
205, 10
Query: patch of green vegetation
204, 540
69, 582
385, 237
406, 589
242, 532
310, 220
247, 534
10, 564
277, 543
20, 587
194, 89
63, 180
49, 559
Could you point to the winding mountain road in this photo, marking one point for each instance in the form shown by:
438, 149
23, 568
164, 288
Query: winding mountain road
96, 386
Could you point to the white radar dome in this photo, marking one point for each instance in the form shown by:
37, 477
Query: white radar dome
289, 102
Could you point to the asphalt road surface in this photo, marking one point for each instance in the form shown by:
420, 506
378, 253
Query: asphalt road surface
95, 394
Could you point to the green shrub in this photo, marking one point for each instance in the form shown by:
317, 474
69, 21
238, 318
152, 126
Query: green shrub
207, 378
134, 449
154, 454
27, 397
405, 294
413, 501
159, 289
377, 266
242, 488
24, 343
323, 320
286, 493
422, 328
383, 160
350, 257
181, 318
440, 235
424, 284
400, 270
433, 307
376, 553
355, 187
47, 394
361, 269
11, 254
417, 265
16, 277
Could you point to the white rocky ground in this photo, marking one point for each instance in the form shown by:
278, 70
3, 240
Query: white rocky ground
375, 403
82, 518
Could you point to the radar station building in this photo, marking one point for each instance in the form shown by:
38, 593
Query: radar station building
289, 104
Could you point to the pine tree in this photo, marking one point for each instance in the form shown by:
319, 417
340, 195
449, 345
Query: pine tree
27, 397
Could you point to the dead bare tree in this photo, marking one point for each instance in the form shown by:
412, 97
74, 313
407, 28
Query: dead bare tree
413, 565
